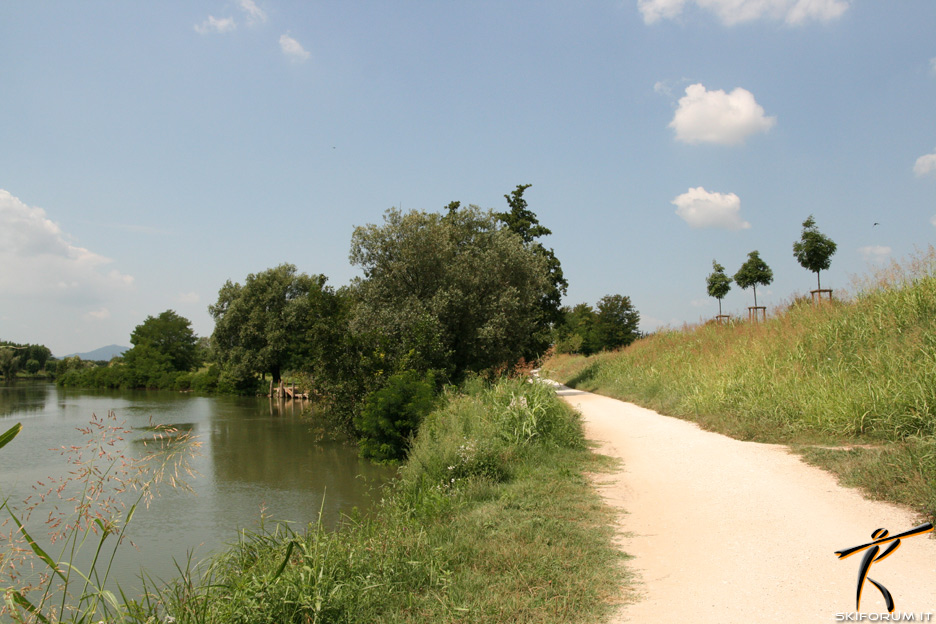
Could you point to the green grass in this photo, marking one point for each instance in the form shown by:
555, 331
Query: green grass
492, 519
856, 372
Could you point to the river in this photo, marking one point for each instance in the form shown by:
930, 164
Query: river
256, 456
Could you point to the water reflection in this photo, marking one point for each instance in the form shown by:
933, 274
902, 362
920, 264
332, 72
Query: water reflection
18, 397
254, 456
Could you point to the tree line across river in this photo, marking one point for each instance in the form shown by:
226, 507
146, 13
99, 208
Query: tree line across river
443, 296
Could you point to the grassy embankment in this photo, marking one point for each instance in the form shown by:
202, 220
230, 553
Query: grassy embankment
850, 385
491, 519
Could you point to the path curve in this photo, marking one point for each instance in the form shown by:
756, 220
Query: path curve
724, 531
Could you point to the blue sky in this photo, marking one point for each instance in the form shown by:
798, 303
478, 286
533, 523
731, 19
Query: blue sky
151, 151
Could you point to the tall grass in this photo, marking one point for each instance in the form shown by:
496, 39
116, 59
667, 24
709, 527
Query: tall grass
490, 520
856, 371
82, 519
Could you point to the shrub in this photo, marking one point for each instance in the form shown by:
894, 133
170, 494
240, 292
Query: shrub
391, 415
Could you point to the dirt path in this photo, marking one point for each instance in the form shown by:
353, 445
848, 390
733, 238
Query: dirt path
727, 531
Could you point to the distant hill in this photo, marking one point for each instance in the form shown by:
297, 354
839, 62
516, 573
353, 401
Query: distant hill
104, 353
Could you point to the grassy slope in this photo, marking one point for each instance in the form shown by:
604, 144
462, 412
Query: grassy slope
492, 519
860, 376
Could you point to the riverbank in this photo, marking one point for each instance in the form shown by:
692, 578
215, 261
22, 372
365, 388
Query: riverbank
492, 518
848, 385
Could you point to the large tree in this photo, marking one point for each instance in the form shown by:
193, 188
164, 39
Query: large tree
718, 283
278, 319
753, 272
456, 292
616, 322
168, 335
814, 250
523, 221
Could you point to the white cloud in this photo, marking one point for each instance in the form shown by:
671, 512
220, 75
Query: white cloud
655, 10
189, 297
39, 261
718, 117
254, 13
732, 12
925, 165
293, 49
874, 253
215, 25
101, 314
701, 209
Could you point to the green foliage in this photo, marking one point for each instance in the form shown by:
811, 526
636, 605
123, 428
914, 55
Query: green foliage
495, 533
16, 357
454, 293
576, 333
521, 220
753, 272
9, 363
616, 322
530, 540
278, 319
586, 330
167, 336
814, 250
718, 283
391, 415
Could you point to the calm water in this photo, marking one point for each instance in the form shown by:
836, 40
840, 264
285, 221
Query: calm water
254, 454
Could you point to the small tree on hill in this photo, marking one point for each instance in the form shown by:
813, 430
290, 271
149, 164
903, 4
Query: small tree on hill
718, 283
814, 250
753, 272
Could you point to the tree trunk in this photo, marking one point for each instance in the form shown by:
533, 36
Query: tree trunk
755, 295
818, 282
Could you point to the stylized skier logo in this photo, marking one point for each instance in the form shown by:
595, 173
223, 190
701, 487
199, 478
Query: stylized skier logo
880, 537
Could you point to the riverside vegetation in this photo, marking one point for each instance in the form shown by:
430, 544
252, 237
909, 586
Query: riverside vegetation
490, 519
850, 385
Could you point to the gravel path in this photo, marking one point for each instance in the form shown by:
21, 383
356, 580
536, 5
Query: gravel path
727, 531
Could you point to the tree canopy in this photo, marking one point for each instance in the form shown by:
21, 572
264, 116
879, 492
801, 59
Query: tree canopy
168, 335
270, 323
457, 292
718, 283
753, 272
586, 330
29, 357
616, 322
814, 250
523, 221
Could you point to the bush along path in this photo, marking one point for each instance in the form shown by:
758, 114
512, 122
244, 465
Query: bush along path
724, 531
